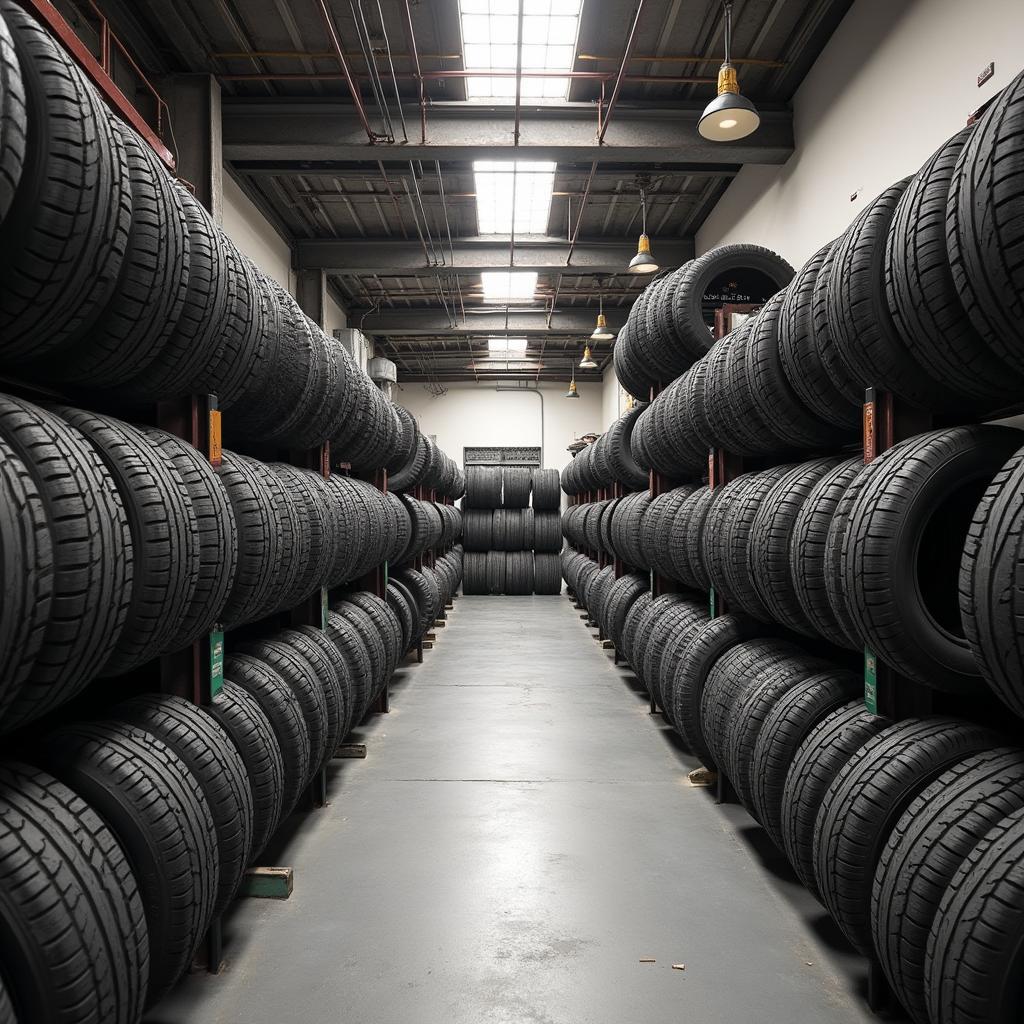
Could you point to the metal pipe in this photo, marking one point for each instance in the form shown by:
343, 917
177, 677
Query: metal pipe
339, 53
519, 79
419, 72
391, 64
376, 85
394, 198
451, 245
630, 43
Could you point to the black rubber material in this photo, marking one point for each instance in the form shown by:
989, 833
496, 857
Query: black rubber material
828, 746
216, 765
26, 572
165, 550
332, 672
279, 703
92, 554
13, 120
73, 937
866, 799
63, 241
973, 969
901, 552
546, 488
992, 584
241, 717
796, 712
352, 646
934, 836
157, 810
283, 658
983, 226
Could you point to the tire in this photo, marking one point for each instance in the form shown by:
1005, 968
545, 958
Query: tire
477, 529
828, 746
547, 533
239, 714
974, 950
92, 557
695, 293
165, 551
992, 585
483, 487
731, 675
802, 361
808, 550
620, 454
87, 957
794, 423
183, 363
291, 568
827, 349
13, 121
282, 657
159, 814
922, 296
694, 543
384, 623
858, 313
687, 679
378, 652
215, 763
748, 716
347, 639
936, 833
139, 317
865, 801
515, 483
769, 549
281, 706
901, 553
317, 549
332, 672
547, 490
26, 569
983, 229
495, 569
65, 235
797, 711
547, 578
259, 544
405, 444
401, 605
216, 534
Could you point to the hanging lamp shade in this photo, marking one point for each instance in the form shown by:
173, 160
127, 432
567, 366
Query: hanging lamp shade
587, 362
643, 262
729, 116
572, 392
601, 331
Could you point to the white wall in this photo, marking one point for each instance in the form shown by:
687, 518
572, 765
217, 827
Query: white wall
896, 79
613, 400
469, 415
255, 236
334, 316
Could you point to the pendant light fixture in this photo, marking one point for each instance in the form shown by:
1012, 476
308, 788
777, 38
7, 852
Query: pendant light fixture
729, 116
601, 332
572, 392
587, 362
643, 261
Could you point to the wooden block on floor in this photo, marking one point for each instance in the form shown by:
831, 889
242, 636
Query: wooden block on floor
350, 750
267, 883
702, 777
585, 615
428, 645
439, 624
448, 607
431, 637
608, 645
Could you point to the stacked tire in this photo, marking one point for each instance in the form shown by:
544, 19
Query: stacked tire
512, 531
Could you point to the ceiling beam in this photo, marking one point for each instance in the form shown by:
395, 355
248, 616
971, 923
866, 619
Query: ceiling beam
532, 322
293, 136
475, 254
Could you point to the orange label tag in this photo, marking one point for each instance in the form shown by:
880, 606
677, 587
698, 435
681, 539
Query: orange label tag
869, 431
215, 448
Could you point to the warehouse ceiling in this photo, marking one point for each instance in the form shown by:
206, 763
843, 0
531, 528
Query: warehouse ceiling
405, 197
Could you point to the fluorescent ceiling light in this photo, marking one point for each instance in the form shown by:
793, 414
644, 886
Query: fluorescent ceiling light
515, 347
496, 180
509, 286
489, 32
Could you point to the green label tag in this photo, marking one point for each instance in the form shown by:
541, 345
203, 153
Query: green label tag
711, 602
216, 663
324, 608
870, 682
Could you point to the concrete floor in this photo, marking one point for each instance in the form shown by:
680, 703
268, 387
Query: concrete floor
520, 835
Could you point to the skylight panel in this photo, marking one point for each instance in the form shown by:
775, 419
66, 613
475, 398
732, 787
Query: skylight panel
489, 32
530, 180
509, 286
510, 347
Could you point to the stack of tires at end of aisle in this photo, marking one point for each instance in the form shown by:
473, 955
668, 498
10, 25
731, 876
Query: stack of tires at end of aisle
512, 531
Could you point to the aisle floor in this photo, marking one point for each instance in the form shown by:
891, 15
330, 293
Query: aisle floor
520, 837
